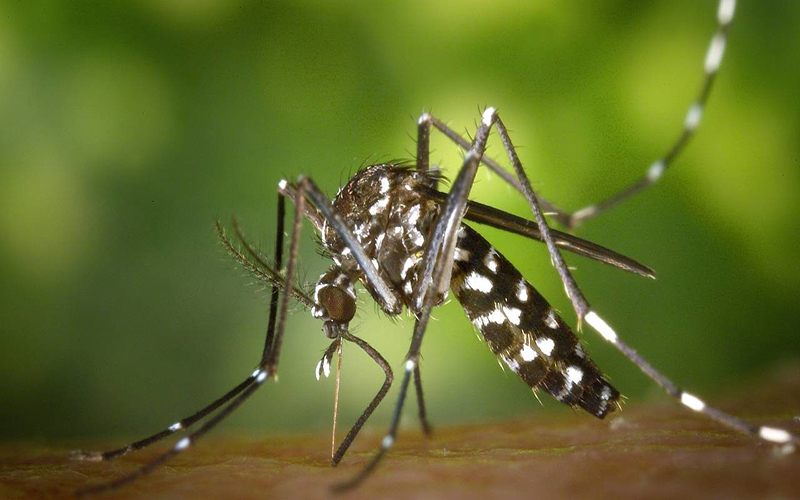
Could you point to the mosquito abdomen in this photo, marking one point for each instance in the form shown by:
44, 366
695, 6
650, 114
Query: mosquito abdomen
523, 330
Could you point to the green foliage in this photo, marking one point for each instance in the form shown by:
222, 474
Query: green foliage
129, 127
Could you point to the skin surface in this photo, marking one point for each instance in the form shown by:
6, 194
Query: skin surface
655, 450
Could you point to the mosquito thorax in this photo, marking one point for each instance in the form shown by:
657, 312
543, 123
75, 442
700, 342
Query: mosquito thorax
383, 206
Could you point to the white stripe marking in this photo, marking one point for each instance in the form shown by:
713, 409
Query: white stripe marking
725, 12
527, 353
410, 365
490, 260
379, 206
546, 345
387, 443
261, 376
512, 363
488, 116
774, 435
655, 171
574, 374
182, 444
522, 291
715, 52
551, 320
692, 402
601, 326
477, 282
496, 316
693, 117
175, 427
513, 314
461, 254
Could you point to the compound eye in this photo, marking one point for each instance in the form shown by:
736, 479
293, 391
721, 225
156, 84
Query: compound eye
341, 307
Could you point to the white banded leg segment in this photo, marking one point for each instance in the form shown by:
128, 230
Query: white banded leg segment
693, 117
693, 402
601, 326
489, 116
183, 444
716, 50
725, 11
774, 435
175, 427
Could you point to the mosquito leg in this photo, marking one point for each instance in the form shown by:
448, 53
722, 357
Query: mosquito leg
423, 142
770, 434
569, 219
187, 422
387, 370
437, 265
388, 298
562, 216
579, 302
268, 367
423, 414
711, 64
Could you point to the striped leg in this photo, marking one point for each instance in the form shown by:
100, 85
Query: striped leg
387, 383
584, 311
712, 62
437, 267
187, 422
770, 434
267, 367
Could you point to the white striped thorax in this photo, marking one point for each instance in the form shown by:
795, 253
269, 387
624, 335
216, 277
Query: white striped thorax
390, 219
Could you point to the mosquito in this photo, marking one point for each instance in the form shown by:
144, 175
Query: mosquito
391, 230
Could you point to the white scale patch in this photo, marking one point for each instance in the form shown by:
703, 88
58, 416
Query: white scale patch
512, 363
183, 444
461, 254
574, 374
475, 281
360, 231
715, 52
513, 314
775, 435
550, 320
413, 215
693, 117
385, 184
522, 291
692, 402
419, 239
175, 427
408, 264
527, 353
497, 316
546, 345
379, 206
490, 261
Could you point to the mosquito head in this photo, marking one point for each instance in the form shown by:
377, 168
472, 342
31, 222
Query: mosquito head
340, 306
334, 301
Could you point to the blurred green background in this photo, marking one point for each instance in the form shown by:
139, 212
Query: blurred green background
128, 127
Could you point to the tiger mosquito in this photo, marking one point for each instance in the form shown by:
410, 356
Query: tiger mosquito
391, 229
